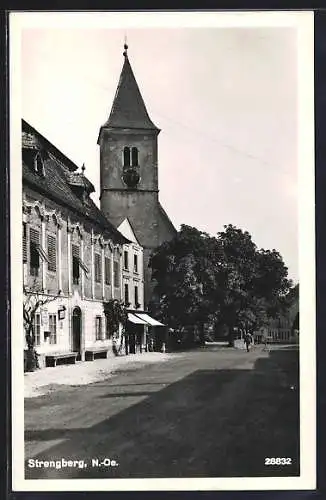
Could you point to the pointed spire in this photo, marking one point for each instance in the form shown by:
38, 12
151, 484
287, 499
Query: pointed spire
128, 109
125, 52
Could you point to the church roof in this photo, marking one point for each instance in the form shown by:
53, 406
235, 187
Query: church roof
128, 109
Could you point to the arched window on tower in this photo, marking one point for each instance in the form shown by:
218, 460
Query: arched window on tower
126, 157
134, 157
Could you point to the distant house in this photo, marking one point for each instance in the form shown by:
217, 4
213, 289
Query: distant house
140, 323
284, 329
132, 268
71, 252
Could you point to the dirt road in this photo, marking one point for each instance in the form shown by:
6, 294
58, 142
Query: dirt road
210, 412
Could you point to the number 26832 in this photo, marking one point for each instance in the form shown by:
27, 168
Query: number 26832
278, 461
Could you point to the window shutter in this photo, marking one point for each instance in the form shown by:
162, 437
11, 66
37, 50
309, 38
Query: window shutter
34, 235
107, 262
126, 293
97, 265
24, 243
116, 274
75, 263
83, 266
75, 251
34, 243
52, 253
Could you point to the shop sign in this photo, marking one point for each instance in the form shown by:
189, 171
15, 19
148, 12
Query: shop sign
61, 312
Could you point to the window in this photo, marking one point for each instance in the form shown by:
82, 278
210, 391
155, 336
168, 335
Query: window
98, 327
37, 329
108, 334
53, 328
126, 157
107, 265
24, 242
39, 166
34, 242
116, 274
127, 294
125, 260
135, 263
52, 253
97, 268
75, 264
134, 157
136, 297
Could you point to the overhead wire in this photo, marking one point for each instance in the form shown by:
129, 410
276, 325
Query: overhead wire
197, 132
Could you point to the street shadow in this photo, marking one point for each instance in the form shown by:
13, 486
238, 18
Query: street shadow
211, 423
126, 394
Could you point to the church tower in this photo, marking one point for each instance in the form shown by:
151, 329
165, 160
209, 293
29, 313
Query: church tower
129, 169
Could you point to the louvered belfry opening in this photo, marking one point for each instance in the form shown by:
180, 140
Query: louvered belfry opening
134, 157
126, 157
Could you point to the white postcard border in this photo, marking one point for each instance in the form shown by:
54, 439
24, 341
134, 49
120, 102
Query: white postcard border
303, 22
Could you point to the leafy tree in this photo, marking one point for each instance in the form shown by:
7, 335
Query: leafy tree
255, 282
34, 299
272, 282
223, 279
184, 270
238, 278
293, 295
116, 315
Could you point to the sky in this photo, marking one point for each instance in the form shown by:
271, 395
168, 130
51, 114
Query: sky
225, 100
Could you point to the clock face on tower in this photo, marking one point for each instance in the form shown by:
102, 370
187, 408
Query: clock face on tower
131, 176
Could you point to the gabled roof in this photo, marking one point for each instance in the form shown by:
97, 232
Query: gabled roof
56, 183
128, 109
32, 139
126, 229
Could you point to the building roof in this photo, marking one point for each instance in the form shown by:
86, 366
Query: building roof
128, 109
167, 218
127, 230
60, 180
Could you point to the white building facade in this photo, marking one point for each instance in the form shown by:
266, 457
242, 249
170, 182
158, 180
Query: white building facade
132, 269
72, 256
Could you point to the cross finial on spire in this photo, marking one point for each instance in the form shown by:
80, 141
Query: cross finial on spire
83, 168
125, 53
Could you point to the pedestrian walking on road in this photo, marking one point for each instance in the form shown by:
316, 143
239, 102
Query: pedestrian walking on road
247, 340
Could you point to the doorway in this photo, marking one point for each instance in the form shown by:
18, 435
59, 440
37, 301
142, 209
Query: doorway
76, 331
